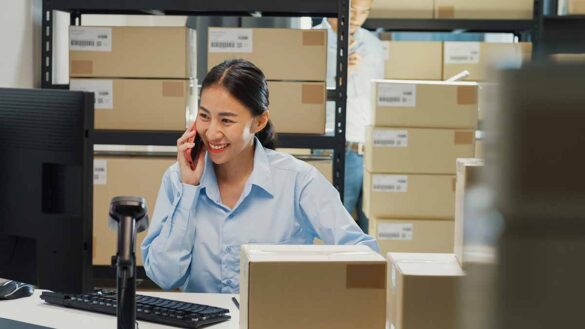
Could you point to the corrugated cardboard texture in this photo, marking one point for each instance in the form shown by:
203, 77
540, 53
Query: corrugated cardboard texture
281, 55
313, 38
464, 137
425, 301
467, 95
412, 60
294, 111
173, 88
310, 295
402, 9
366, 276
429, 151
125, 176
492, 56
494, 9
438, 105
140, 52
427, 197
146, 104
468, 174
82, 68
427, 235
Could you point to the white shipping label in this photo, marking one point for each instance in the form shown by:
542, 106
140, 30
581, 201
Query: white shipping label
102, 89
390, 138
462, 52
396, 95
390, 183
230, 40
395, 231
85, 38
100, 172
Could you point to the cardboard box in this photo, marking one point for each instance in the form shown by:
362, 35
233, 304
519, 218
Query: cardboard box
282, 54
413, 60
409, 196
468, 175
402, 9
114, 176
298, 107
425, 104
482, 58
140, 104
416, 150
312, 287
325, 167
412, 235
568, 58
132, 52
422, 290
479, 9
571, 7
479, 149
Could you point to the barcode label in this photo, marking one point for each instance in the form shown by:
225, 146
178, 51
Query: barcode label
462, 52
224, 40
100, 172
83, 38
390, 183
103, 91
395, 231
390, 138
396, 95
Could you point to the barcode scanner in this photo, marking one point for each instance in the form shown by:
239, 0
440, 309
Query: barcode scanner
192, 154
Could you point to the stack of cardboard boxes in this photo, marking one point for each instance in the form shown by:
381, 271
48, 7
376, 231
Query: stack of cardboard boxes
143, 79
420, 129
295, 63
455, 9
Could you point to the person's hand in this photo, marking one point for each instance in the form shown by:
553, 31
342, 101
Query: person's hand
189, 175
354, 58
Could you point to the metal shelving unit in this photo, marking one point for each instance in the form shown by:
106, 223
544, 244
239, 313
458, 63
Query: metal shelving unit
321, 8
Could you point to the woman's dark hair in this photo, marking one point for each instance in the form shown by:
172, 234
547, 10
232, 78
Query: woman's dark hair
246, 82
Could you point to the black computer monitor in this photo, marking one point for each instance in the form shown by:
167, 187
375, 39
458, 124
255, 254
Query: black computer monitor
46, 177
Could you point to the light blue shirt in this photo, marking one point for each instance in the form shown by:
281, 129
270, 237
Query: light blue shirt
193, 242
359, 85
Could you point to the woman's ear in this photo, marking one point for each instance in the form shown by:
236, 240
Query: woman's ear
261, 121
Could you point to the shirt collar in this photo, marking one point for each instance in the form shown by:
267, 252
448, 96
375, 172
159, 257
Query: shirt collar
261, 174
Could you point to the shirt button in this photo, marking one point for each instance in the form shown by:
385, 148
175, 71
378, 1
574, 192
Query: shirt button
228, 282
228, 249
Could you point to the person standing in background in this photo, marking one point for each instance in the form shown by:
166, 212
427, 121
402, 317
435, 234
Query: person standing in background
365, 63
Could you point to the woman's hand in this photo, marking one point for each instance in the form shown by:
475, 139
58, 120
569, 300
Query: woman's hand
188, 174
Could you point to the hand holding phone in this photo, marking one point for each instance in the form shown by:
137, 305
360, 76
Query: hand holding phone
191, 154
190, 149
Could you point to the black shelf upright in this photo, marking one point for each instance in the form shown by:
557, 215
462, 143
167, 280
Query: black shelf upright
312, 8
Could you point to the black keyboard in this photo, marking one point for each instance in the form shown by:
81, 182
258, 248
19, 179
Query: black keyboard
152, 309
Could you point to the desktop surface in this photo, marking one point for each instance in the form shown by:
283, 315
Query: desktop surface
35, 311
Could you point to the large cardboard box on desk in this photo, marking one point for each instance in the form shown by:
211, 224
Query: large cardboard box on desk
140, 104
480, 58
468, 175
413, 60
402, 9
132, 52
409, 196
412, 235
425, 104
481, 9
114, 176
422, 290
282, 54
298, 107
416, 150
312, 287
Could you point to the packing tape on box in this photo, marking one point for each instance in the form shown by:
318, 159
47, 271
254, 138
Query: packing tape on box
366, 276
463, 137
81, 67
313, 93
313, 38
446, 12
467, 95
173, 88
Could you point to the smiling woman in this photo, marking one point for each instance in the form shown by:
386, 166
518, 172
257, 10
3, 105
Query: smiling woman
241, 191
